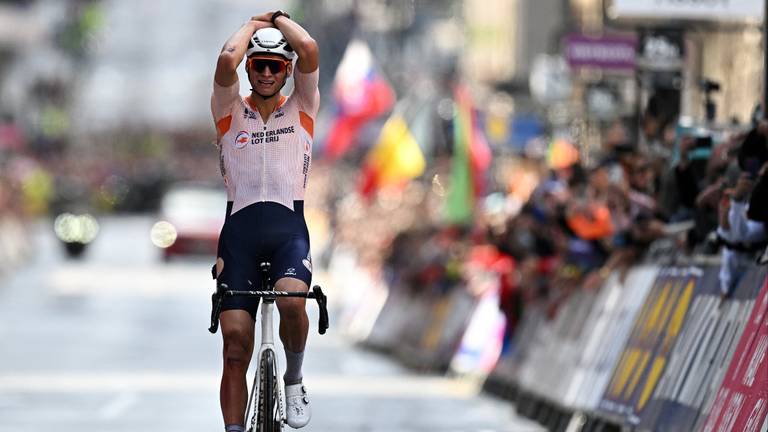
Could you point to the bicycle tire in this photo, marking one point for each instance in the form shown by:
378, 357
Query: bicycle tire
269, 415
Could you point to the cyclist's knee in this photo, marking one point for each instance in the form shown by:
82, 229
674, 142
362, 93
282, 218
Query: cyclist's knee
291, 307
237, 348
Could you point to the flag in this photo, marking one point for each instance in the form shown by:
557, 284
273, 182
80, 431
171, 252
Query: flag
395, 159
361, 94
471, 159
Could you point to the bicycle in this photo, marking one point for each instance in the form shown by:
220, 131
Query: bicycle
266, 397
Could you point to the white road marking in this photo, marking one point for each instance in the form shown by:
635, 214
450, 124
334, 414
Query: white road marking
154, 381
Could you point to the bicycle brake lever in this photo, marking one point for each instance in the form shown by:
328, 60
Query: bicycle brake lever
216, 299
322, 302
215, 311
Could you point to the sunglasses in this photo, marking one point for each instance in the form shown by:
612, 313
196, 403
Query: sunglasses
275, 66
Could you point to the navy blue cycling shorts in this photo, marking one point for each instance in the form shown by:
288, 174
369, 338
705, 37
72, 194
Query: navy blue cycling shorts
262, 232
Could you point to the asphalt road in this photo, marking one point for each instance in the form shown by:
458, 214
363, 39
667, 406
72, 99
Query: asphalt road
118, 342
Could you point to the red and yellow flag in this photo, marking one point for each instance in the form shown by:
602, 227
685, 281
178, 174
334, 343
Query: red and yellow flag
394, 160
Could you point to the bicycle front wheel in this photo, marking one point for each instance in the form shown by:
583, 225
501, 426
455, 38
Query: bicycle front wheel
270, 417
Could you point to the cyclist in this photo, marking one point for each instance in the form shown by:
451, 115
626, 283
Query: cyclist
265, 148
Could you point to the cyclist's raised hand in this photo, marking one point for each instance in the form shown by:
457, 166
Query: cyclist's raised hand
265, 17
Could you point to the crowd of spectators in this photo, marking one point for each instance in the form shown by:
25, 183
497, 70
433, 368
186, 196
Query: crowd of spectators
678, 193
690, 189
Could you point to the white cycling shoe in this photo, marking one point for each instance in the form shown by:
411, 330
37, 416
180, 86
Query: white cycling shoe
299, 411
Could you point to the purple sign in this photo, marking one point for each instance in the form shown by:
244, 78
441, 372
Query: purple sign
616, 53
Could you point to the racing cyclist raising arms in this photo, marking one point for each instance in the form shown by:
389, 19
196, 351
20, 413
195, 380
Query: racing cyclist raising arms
265, 148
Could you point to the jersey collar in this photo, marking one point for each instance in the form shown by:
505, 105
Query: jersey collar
253, 107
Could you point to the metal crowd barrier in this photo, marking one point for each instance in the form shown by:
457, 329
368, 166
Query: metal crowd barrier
657, 350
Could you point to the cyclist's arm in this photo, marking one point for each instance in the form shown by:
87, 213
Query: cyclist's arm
301, 42
233, 51
225, 85
305, 78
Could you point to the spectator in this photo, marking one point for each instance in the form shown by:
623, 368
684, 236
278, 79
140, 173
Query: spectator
758, 204
754, 150
740, 236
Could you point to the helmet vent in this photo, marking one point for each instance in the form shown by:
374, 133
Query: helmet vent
272, 41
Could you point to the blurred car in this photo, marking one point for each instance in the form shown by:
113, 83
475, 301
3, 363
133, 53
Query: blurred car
191, 217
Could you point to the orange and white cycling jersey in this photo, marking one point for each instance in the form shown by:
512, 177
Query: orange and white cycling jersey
266, 161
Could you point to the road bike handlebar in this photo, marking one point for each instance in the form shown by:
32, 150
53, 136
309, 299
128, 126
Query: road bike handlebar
223, 291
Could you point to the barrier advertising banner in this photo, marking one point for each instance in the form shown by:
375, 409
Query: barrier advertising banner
653, 336
702, 353
429, 335
481, 343
611, 322
550, 363
526, 335
741, 403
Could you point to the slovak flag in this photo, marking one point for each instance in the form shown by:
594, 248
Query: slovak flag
361, 93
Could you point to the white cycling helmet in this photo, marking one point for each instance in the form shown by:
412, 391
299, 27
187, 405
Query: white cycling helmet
269, 41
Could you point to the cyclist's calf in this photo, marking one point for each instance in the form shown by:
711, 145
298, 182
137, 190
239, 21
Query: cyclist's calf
293, 315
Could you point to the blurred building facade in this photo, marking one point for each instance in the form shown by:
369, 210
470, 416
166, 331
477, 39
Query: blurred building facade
504, 37
45, 44
136, 76
160, 79
718, 41
153, 66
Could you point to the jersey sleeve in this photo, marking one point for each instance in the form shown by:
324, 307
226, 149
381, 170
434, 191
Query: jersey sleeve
222, 101
306, 91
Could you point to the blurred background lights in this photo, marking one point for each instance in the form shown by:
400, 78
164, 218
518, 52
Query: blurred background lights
72, 228
163, 234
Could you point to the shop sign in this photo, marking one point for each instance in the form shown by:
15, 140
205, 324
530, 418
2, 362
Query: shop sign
616, 53
707, 10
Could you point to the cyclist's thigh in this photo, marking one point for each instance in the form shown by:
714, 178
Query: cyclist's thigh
292, 261
236, 264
